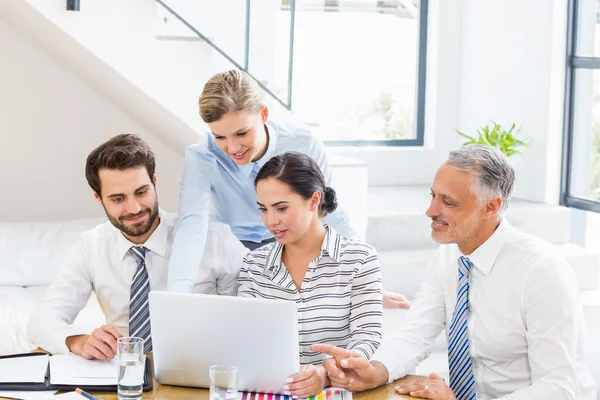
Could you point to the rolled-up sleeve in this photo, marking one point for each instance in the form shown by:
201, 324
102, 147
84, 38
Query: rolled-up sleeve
52, 321
366, 312
192, 225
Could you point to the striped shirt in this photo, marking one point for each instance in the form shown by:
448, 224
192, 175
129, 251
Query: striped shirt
340, 301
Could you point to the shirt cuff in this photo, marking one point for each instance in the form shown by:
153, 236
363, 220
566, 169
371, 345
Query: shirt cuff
58, 342
389, 361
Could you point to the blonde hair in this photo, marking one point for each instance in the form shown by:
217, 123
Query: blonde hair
227, 92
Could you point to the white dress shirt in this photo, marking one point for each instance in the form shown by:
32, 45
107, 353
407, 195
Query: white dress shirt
101, 262
525, 324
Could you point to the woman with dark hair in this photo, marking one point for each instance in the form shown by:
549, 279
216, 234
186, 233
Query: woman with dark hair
335, 281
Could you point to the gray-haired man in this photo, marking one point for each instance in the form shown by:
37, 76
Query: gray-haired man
508, 303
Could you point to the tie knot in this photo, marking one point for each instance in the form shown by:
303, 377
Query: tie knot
464, 265
139, 252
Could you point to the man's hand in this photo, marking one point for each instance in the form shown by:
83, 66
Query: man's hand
310, 381
101, 344
350, 370
435, 389
395, 300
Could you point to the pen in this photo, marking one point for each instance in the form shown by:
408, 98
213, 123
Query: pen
86, 394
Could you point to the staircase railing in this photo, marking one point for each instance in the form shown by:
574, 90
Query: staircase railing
287, 103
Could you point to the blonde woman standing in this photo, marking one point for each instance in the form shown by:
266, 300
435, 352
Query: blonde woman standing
225, 163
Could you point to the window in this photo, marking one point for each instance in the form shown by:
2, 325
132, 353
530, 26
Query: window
581, 163
358, 68
355, 69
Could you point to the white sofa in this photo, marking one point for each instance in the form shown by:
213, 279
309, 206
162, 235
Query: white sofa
30, 255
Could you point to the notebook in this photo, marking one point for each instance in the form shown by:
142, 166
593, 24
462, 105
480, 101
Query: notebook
39, 371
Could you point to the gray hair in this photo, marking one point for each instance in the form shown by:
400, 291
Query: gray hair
494, 176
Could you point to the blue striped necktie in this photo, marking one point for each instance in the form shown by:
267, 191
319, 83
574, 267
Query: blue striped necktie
139, 309
462, 380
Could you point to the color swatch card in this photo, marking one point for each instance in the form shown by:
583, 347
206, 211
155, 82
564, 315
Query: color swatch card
327, 394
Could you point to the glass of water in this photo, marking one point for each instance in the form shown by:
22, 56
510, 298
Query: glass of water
130, 353
223, 382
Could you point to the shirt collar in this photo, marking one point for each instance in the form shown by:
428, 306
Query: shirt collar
331, 244
258, 164
157, 242
484, 257
330, 247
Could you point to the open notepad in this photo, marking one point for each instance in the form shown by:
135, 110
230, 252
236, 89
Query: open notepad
36, 371
24, 369
70, 369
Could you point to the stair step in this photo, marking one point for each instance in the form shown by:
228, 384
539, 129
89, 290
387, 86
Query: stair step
403, 270
397, 220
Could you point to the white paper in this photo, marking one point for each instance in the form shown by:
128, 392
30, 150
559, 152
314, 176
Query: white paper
30, 369
25, 395
69, 396
71, 369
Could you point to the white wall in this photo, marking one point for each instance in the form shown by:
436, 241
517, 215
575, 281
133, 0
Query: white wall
123, 35
49, 121
501, 60
512, 70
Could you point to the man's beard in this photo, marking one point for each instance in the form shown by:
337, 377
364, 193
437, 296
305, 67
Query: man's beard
134, 230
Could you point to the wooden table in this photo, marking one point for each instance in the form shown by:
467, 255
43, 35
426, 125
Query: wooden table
166, 392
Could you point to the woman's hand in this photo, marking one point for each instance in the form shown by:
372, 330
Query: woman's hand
310, 381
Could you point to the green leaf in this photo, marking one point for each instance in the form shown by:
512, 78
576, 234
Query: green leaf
465, 135
494, 135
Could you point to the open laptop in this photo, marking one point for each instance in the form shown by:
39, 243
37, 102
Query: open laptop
191, 332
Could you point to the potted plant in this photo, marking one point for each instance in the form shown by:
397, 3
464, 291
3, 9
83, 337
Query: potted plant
495, 135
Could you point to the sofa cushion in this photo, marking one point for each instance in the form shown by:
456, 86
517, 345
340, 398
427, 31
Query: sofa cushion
16, 306
31, 253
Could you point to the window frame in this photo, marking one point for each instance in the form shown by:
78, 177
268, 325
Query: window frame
419, 122
573, 63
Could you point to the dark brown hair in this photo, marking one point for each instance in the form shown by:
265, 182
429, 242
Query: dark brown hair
303, 175
121, 152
